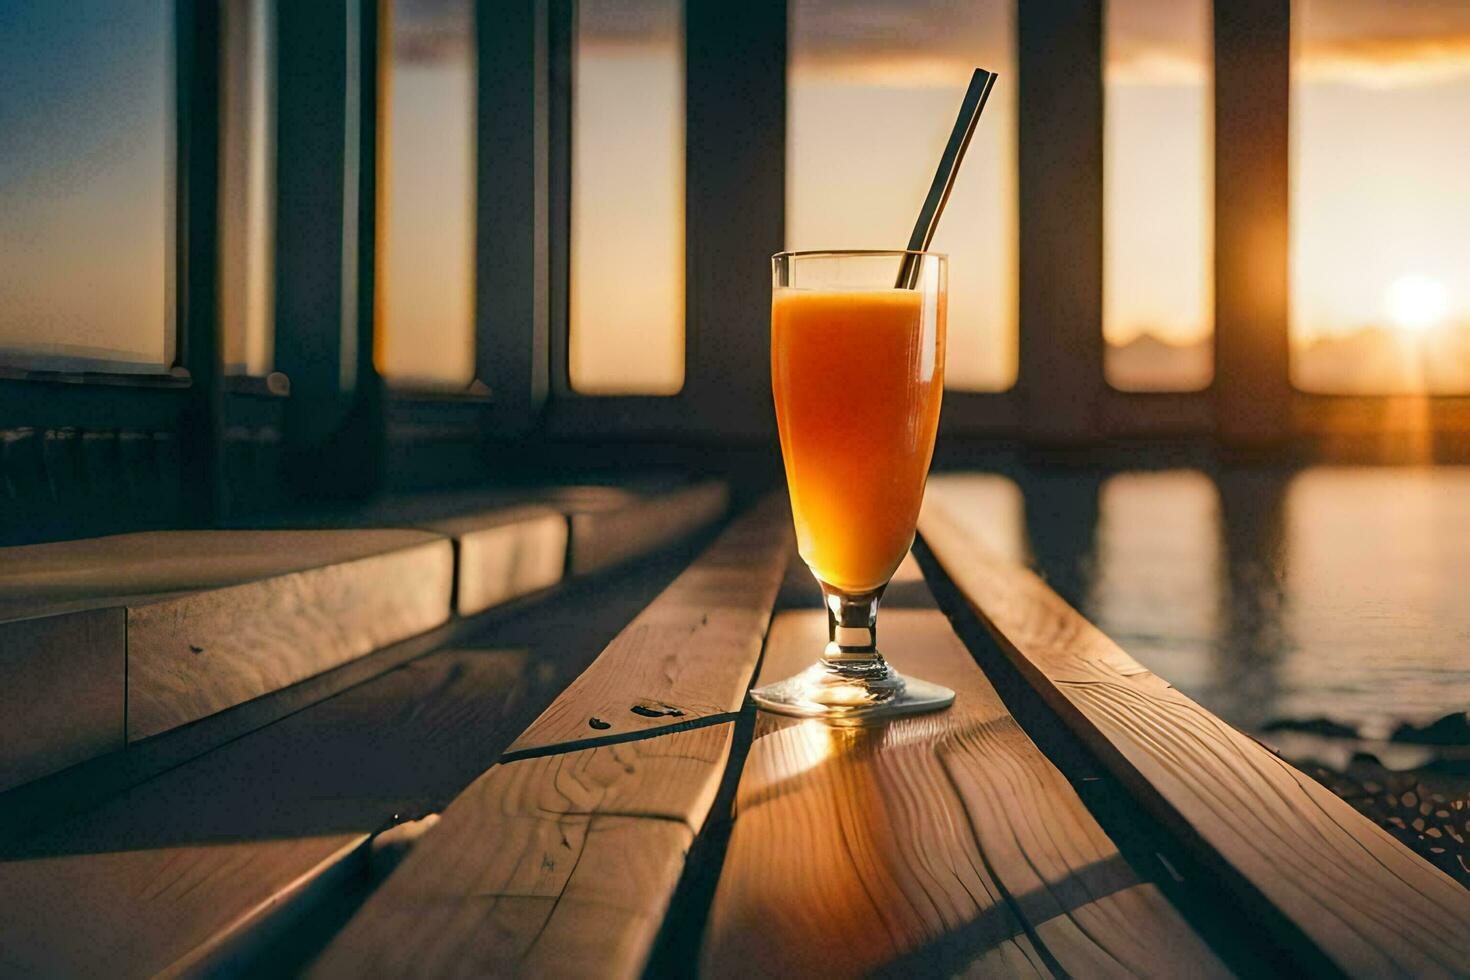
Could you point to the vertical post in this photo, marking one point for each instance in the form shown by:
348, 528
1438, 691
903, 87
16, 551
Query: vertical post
196, 257
1059, 55
561, 62
1252, 123
736, 208
511, 257
325, 194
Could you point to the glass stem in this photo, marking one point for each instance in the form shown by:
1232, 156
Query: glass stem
852, 632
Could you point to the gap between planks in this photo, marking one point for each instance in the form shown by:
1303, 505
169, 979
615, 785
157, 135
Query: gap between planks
563, 856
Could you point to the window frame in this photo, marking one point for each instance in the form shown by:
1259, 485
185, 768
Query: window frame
734, 213
183, 402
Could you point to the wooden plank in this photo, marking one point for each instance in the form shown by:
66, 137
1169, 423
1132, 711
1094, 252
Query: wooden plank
198, 654
609, 529
1252, 187
124, 568
1368, 904
397, 747
691, 653
216, 618
64, 685
504, 554
62, 911
180, 867
944, 841
556, 865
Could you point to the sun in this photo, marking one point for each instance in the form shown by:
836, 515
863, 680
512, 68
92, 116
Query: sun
1416, 303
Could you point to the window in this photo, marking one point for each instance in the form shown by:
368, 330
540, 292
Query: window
426, 325
626, 305
1380, 197
1158, 193
86, 188
247, 172
873, 90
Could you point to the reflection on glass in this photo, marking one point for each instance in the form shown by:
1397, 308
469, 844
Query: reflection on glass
1158, 281
872, 92
627, 262
426, 329
1156, 585
247, 165
86, 151
1380, 197
1377, 562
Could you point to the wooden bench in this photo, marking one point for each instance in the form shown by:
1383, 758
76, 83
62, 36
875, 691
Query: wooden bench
562, 858
1071, 815
201, 865
108, 642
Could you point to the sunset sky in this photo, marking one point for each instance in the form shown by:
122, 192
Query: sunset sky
627, 262
1380, 180
426, 325
1380, 159
86, 93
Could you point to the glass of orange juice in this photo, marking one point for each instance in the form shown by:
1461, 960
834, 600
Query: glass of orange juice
857, 370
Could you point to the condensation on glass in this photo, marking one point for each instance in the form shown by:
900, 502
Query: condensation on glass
626, 307
247, 186
1158, 195
1380, 197
86, 185
873, 89
425, 320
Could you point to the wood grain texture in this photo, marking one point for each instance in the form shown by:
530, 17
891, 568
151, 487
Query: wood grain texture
63, 916
179, 869
216, 618
691, 653
504, 554
1366, 902
63, 685
560, 865
130, 568
610, 528
199, 653
943, 842
396, 747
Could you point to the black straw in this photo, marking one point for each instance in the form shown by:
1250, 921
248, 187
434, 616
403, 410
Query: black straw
949, 164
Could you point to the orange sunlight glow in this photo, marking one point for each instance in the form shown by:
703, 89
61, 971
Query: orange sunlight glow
1416, 303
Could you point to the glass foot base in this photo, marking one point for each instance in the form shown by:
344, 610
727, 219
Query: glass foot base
821, 692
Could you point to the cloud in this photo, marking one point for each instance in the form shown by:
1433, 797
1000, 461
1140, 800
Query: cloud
1385, 62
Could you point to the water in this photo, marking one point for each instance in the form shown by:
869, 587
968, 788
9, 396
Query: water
1275, 597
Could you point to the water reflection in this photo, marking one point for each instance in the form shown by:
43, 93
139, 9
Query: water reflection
1155, 583
1270, 595
1376, 569
1252, 643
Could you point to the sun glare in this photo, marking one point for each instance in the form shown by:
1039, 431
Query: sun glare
1416, 303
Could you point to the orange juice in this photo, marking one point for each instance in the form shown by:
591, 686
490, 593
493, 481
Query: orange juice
857, 376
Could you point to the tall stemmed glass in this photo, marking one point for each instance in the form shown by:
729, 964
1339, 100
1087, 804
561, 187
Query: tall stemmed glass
857, 370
